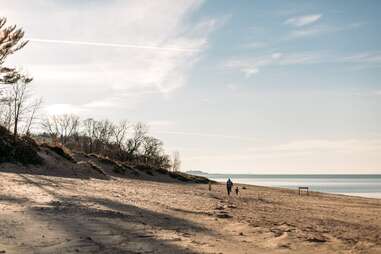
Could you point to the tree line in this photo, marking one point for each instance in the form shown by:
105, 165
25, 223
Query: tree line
19, 112
121, 140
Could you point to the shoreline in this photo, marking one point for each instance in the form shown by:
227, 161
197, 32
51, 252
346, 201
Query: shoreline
349, 194
364, 194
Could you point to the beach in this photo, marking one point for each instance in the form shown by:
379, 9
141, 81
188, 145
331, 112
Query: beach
46, 214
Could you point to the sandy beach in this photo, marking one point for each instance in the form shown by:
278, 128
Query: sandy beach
46, 214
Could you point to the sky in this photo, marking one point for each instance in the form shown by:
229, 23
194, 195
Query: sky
234, 86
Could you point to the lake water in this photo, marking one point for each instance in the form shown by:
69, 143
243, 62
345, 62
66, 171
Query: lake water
355, 185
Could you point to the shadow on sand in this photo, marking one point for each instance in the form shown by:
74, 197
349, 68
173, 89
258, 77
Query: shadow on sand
101, 225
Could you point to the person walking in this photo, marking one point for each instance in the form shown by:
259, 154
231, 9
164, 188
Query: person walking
229, 186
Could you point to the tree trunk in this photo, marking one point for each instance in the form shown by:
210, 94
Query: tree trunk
15, 132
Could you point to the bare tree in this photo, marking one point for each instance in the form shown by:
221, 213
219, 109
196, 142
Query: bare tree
33, 108
102, 134
103, 131
152, 147
21, 108
62, 126
6, 113
176, 162
120, 133
134, 143
88, 129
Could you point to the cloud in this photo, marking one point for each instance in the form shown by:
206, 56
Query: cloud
89, 109
161, 124
250, 71
319, 30
59, 109
300, 21
307, 32
364, 58
315, 155
303, 148
203, 135
88, 55
251, 66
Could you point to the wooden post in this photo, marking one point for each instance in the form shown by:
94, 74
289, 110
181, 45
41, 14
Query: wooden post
303, 188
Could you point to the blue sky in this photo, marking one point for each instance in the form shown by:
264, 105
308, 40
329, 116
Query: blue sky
235, 86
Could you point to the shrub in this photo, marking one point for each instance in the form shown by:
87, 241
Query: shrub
24, 151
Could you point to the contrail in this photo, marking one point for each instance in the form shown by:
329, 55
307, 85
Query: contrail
115, 45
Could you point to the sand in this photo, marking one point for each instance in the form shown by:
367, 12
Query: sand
46, 214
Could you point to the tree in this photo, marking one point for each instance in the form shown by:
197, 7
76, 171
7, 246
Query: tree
10, 42
20, 107
120, 133
89, 126
176, 162
102, 133
152, 147
133, 144
62, 126
34, 108
6, 113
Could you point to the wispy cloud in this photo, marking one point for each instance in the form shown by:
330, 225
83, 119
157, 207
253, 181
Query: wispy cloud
364, 58
306, 32
300, 21
302, 33
250, 71
322, 145
251, 66
144, 46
